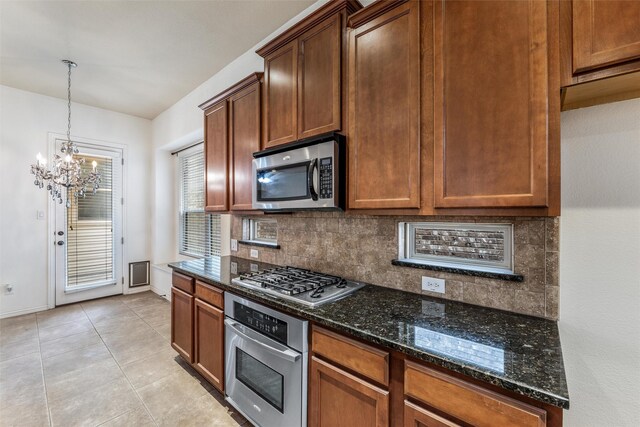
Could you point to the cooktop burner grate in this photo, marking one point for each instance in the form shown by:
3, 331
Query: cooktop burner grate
293, 281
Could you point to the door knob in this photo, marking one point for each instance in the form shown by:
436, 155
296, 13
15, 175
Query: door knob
60, 242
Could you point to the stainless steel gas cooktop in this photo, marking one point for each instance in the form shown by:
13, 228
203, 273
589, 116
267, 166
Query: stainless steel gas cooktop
299, 285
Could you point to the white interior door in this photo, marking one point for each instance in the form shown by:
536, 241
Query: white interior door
88, 254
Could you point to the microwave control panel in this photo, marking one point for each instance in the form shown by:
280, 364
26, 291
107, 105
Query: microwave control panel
326, 178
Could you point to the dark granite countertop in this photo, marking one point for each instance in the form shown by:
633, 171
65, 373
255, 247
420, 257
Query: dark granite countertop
516, 352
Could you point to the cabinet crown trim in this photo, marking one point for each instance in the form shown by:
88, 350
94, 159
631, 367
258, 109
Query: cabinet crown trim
247, 81
372, 11
329, 9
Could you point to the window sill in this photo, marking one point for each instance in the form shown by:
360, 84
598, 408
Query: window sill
511, 277
260, 244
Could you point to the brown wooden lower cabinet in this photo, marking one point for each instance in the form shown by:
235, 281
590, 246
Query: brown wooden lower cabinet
339, 399
365, 360
182, 323
415, 416
468, 402
346, 388
209, 343
197, 326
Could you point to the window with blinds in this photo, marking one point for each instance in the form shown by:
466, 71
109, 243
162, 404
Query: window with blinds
90, 238
199, 231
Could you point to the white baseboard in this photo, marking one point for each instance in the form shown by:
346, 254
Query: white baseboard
161, 292
129, 291
23, 311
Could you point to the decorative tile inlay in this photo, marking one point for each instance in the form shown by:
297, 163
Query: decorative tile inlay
266, 230
460, 244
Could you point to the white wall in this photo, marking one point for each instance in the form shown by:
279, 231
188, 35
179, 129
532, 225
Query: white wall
600, 264
26, 119
180, 126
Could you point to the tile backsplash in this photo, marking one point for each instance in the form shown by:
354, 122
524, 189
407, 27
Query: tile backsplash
361, 248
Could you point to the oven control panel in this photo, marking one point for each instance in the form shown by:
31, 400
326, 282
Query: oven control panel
326, 178
261, 322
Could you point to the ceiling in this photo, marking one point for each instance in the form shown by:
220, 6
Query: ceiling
135, 57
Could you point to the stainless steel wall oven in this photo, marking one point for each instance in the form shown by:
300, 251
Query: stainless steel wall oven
266, 355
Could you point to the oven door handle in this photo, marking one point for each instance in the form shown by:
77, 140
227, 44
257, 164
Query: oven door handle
287, 354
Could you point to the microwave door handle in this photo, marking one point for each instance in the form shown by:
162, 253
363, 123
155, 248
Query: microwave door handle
289, 355
312, 190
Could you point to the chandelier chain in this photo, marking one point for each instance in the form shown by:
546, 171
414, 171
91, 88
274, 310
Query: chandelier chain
69, 103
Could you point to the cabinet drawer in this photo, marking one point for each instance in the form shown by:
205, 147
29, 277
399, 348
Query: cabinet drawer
183, 282
210, 294
415, 416
368, 361
468, 402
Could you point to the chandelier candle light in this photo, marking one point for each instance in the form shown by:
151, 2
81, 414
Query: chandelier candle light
66, 171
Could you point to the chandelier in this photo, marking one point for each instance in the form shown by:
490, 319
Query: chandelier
66, 171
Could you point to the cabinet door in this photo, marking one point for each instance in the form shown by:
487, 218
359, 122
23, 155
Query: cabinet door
339, 399
605, 33
384, 111
467, 402
182, 323
319, 79
415, 416
244, 140
216, 146
209, 343
281, 98
491, 111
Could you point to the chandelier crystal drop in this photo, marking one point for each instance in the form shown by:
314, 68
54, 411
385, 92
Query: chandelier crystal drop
66, 171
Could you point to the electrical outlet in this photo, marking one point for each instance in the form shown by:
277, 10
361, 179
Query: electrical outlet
234, 245
253, 253
432, 284
253, 267
234, 267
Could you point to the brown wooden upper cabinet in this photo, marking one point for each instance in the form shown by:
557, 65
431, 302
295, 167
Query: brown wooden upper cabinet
384, 107
599, 51
232, 135
496, 105
605, 33
303, 70
216, 152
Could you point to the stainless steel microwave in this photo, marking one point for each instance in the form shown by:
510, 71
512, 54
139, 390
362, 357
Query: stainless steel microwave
308, 174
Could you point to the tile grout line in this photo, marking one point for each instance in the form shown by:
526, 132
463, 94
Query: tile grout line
44, 381
144, 405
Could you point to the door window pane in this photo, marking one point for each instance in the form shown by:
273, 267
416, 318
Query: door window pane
90, 237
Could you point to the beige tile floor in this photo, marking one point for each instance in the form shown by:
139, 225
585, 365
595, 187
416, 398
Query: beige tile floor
106, 362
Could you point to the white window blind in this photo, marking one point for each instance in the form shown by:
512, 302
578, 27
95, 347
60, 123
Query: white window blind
90, 230
199, 231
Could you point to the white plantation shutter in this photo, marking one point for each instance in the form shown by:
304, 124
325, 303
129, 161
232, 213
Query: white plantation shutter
199, 231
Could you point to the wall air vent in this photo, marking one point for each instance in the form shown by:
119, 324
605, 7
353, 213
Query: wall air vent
138, 273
